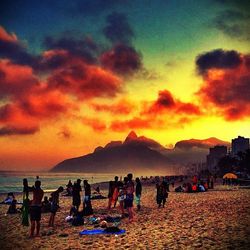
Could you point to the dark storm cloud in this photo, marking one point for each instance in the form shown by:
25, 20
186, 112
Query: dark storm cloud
122, 59
243, 5
118, 29
17, 53
95, 7
217, 59
85, 48
233, 23
7, 131
234, 20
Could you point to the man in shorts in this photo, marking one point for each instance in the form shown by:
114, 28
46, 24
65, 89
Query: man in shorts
35, 208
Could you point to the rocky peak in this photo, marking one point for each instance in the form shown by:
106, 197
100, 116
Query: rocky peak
131, 137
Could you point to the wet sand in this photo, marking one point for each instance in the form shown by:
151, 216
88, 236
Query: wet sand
218, 219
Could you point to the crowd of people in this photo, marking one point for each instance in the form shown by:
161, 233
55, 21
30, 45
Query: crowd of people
122, 193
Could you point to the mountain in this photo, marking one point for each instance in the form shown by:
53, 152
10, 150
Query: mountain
193, 150
135, 154
139, 154
206, 143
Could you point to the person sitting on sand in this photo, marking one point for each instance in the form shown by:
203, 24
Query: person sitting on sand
76, 194
130, 197
35, 208
138, 190
12, 208
46, 205
54, 205
97, 191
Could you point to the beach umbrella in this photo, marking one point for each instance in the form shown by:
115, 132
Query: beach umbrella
230, 176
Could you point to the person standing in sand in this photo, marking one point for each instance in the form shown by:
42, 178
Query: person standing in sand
35, 208
54, 205
121, 193
87, 194
113, 186
130, 187
76, 194
25, 207
138, 190
162, 194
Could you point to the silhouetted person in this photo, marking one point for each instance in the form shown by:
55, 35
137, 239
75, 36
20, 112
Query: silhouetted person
25, 207
161, 194
130, 196
46, 205
87, 194
76, 194
69, 188
54, 205
35, 208
138, 190
113, 186
122, 193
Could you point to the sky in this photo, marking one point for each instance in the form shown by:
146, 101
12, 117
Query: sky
75, 75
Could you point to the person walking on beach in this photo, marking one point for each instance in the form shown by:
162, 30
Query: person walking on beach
138, 190
87, 195
130, 197
54, 205
76, 194
35, 208
25, 207
161, 194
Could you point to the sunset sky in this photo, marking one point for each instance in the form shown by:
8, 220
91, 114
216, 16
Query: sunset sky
77, 74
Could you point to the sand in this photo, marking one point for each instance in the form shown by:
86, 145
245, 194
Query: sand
217, 219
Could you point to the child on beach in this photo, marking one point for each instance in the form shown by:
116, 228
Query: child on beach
138, 190
54, 205
35, 208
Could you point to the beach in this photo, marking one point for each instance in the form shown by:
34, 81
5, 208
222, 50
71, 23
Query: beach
217, 219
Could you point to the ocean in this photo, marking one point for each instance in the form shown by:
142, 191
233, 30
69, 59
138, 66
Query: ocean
13, 181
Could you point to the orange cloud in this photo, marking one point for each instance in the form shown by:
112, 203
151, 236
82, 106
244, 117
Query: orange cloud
96, 124
15, 80
5, 36
228, 90
134, 123
166, 103
121, 107
85, 81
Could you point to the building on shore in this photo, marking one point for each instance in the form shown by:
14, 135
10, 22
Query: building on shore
215, 154
240, 144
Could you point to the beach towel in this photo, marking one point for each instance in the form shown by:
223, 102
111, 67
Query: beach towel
9, 203
101, 231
